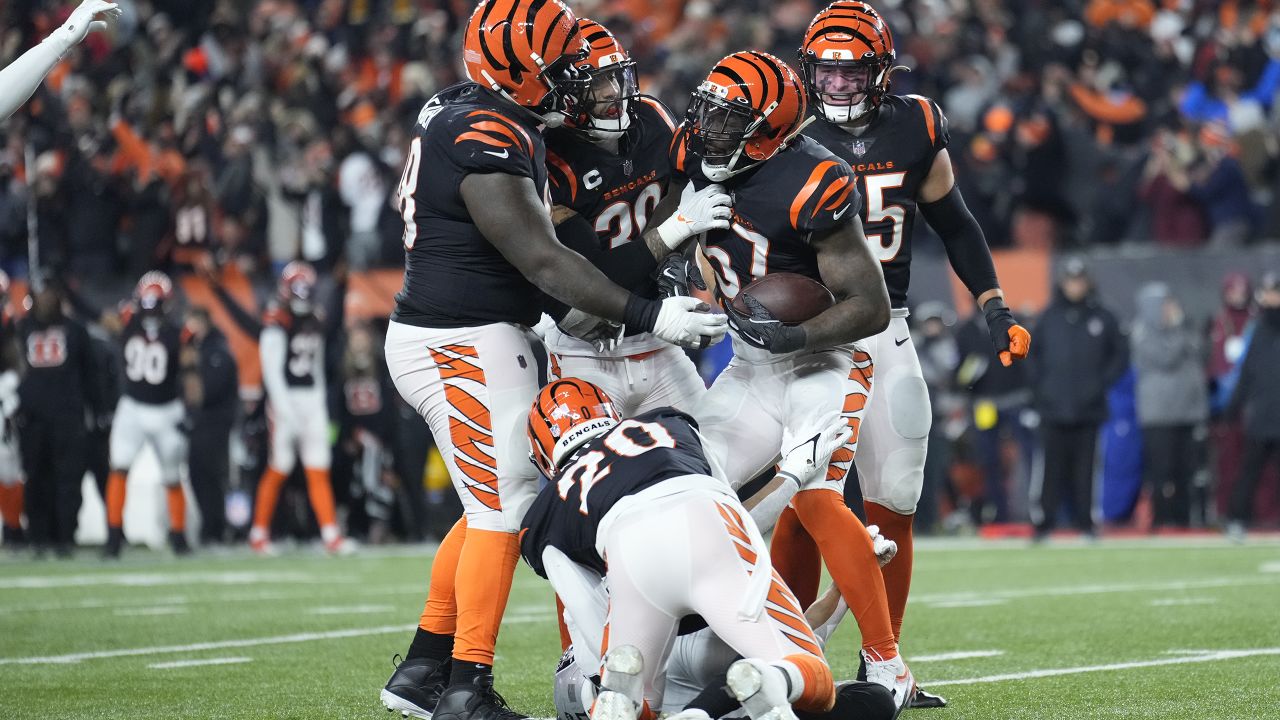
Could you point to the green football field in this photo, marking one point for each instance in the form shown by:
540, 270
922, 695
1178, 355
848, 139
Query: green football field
1121, 629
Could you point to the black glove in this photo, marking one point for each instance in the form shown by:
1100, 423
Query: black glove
678, 272
762, 329
1011, 340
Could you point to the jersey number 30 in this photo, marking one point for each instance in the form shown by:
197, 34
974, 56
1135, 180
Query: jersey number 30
587, 471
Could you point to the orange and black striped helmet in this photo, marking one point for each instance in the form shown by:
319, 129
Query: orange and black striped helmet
526, 50
153, 290
605, 109
748, 108
567, 413
846, 60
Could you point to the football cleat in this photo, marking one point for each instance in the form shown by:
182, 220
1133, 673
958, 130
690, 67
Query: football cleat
761, 688
621, 685
260, 543
920, 698
341, 546
416, 686
476, 700
115, 541
894, 675
178, 542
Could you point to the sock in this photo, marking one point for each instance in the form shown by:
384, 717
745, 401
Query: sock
465, 671
430, 646
715, 699
897, 574
485, 570
795, 557
177, 508
264, 504
846, 548
115, 499
440, 613
320, 491
818, 691
11, 505
565, 639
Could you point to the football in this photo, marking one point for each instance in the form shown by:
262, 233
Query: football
792, 298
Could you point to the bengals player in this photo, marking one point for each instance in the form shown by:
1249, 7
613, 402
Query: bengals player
640, 491
897, 146
795, 209
608, 169
480, 251
11, 487
150, 410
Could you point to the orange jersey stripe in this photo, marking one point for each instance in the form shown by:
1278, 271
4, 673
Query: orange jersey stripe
806, 192
527, 143
662, 112
928, 118
832, 190
564, 168
483, 138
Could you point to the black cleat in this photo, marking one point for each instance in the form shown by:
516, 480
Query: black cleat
115, 541
476, 700
178, 542
14, 539
921, 698
416, 686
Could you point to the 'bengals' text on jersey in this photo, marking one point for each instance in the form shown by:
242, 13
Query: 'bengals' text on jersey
454, 277
636, 454
777, 206
891, 158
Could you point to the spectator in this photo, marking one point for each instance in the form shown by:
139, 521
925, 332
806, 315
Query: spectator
1172, 400
1227, 332
1177, 219
1257, 397
212, 396
1079, 354
1218, 184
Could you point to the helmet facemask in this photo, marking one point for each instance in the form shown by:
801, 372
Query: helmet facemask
606, 106
846, 90
566, 86
719, 131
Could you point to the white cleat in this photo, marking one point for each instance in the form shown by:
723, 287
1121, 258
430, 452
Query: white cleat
341, 547
396, 704
762, 690
610, 705
892, 674
623, 673
690, 714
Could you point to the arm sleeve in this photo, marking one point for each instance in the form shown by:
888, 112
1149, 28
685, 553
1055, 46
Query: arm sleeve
21, 78
248, 323
272, 347
963, 238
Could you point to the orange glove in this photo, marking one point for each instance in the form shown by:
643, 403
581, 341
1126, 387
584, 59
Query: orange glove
1011, 340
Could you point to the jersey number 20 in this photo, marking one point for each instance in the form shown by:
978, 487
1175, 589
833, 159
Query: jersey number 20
587, 471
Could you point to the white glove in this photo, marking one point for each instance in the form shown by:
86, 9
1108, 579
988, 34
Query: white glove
698, 212
603, 334
884, 548
808, 459
91, 16
688, 322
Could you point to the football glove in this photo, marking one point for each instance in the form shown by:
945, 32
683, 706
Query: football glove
1011, 340
884, 548
678, 273
687, 322
603, 334
807, 460
698, 211
761, 329
91, 16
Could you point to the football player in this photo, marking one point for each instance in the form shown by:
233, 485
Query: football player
480, 251
608, 169
640, 491
794, 210
897, 146
11, 487
291, 342
150, 410
19, 79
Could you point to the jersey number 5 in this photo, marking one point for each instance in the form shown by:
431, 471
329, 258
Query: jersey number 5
587, 471
876, 184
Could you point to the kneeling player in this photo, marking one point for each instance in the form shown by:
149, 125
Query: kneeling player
640, 492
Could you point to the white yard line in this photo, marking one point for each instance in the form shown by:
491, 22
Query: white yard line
1269, 567
149, 611
1213, 656
349, 609
975, 602
959, 655
153, 579
1175, 602
198, 663
1202, 584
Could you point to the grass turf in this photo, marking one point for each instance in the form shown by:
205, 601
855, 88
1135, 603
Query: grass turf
305, 636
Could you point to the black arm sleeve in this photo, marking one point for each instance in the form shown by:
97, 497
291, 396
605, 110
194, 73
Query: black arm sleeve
966, 245
247, 322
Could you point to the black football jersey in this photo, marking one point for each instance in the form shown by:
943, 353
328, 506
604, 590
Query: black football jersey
891, 158
777, 206
304, 346
636, 454
150, 348
454, 277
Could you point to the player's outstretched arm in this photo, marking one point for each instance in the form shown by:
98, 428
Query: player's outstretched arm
508, 212
21, 78
944, 209
853, 275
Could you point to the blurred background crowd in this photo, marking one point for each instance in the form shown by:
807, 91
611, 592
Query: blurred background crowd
220, 139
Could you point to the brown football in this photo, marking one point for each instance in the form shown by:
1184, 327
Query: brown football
790, 297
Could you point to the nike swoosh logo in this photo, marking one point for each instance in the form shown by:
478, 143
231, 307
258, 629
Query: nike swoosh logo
502, 154
843, 210
900, 342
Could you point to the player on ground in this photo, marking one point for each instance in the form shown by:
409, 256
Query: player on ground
480, 252
291, 342
794, 210
11, 481
150, 411
897, 146
607, 175
20, 78
640, 492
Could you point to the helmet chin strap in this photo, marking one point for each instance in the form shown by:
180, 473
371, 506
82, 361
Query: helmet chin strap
720, 173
